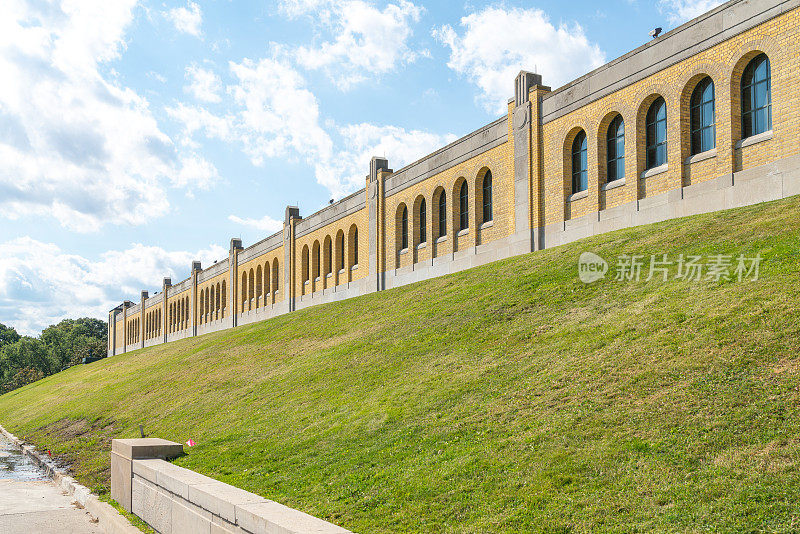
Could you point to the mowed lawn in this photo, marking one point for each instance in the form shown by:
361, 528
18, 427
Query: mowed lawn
507, 398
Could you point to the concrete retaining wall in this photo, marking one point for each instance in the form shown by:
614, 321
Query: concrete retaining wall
174, 500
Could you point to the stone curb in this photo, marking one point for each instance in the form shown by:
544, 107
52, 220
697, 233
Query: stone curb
109, 519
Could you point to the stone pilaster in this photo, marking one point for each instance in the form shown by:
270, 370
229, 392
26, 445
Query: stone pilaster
292, 217
196, 268
165, 287
142, 321
233, 278
378, 169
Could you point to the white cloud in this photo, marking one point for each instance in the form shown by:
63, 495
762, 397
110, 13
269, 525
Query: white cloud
497, 43
265, 224
204, 85
75, 145
187, 19
367, 41
679, 11
362, 141
278, 114
40, 284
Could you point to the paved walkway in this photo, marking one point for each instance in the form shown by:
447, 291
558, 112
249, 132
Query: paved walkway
31, 504
38, 507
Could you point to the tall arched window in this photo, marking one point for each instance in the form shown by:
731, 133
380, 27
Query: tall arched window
487, 197
463, 201
305, 268
580, 172
701, 111
442, 230
423, 222
340, 245
656, 133
757, 97
404, 229
328, 256
275, 277
615, 150
355, 246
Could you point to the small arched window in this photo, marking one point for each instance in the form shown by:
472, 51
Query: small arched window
487, 197
463, 205
404, 229
757, 97
442, 230
615, 150
656, 133
580, 172
701, 111
423, 222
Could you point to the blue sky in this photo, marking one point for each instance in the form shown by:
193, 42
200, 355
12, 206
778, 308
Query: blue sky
136, 136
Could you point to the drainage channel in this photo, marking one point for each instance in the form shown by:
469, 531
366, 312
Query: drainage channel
16, 466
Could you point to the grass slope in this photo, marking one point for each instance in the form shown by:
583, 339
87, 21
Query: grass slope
507, 398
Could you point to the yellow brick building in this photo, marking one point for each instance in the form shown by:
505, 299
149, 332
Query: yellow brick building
702, 118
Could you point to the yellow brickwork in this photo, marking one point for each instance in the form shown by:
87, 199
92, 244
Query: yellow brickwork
724, 63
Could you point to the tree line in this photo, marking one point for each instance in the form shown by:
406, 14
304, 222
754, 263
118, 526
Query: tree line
25, 359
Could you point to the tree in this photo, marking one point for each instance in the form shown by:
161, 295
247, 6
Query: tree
7, 335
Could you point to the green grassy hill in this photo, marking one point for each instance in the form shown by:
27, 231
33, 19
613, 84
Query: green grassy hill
507, 398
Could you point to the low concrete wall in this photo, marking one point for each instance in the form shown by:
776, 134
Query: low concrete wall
174, 500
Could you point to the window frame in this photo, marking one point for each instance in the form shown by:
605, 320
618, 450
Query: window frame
463, 205
699, 120
423, 221
615, 159
653, 145
442, 229
580, 161
404, 228
749, 97
488, 214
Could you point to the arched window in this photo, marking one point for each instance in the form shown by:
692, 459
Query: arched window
305, 269
404, 229
442, 230
275, 277
244, 289
580, 172
757, 97
340, 245
259, 286
423, 221
328, 256
615, 150
487, 197
656, 133
267, 279
355, 246
463, 197
217, 308
701, 111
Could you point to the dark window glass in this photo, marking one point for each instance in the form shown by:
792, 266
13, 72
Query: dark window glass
464, 207
656, 133
757, 97
615, 150
442, 215
329, 259
487, 197
404, 228
423, 222
702, 117
355, 246
341, 253
580, 174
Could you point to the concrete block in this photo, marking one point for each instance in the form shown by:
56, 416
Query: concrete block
146, 469
273, 518
120, 480
146, 448
152, 505
221, 499
791, 184
189, 520
177, 479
